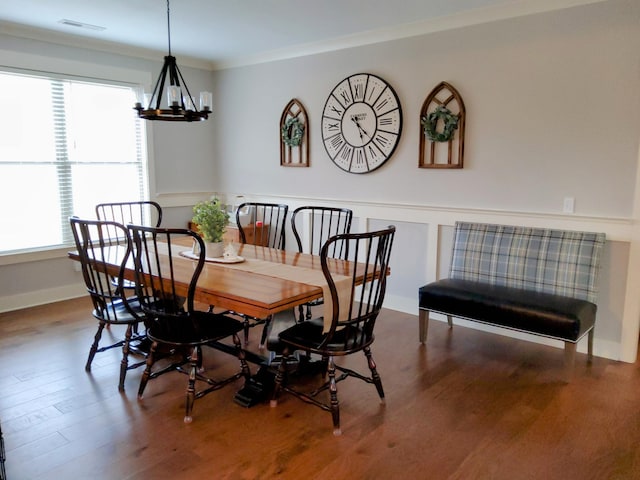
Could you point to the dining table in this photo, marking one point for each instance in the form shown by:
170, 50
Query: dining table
259, 282
265, 282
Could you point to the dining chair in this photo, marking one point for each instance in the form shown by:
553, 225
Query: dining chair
261, 224
170, 324
144, 212
312, 226
96, 240
349, 328
139, 213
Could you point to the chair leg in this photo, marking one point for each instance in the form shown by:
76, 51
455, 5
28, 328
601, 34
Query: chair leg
375, 376
246, 326
147, 370
124, 364
590, 346
196, 354
246, 372
423, 325
94, 346
265, 331
333, 393
280, 378
569, 360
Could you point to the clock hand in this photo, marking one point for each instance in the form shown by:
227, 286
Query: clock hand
359, 128
362, 130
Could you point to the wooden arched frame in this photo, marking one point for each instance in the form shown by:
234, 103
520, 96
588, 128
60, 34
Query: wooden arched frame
448, 154
294, 156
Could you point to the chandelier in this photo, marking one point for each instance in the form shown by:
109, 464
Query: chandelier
180, 105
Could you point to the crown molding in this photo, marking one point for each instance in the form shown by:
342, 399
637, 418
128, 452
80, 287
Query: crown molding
79, 41
413, 29
448, 22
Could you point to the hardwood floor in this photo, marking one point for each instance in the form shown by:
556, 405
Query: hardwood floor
469, 405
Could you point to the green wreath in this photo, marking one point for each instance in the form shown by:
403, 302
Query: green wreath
430, 121
292, 131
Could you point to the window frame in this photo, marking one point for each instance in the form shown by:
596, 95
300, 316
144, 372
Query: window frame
55, 67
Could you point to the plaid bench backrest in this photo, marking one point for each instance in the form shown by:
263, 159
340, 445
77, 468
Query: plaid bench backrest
551, 261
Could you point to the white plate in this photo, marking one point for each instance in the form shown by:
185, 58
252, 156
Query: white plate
193, 256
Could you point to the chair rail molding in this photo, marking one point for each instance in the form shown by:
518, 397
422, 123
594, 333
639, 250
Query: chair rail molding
437, 219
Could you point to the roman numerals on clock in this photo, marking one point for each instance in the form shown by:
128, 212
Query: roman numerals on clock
361, 123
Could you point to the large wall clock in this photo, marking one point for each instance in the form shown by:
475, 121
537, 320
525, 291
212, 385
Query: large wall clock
361, 123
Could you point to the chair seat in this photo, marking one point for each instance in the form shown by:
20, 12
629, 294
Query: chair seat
546, 314
308, 336
118, 313
193, 329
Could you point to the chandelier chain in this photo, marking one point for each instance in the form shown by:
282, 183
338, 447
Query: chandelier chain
169, 27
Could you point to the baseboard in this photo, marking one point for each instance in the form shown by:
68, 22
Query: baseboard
41, 297
601, 348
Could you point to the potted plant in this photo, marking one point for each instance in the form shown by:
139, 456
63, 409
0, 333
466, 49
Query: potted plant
211, 218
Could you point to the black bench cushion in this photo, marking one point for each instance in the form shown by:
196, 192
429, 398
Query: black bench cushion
536, 312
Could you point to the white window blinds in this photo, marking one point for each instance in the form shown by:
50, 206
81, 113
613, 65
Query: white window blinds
65, 146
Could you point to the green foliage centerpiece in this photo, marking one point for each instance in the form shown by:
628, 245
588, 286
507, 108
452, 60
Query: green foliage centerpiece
212, 219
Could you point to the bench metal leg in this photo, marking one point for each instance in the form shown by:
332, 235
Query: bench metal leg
423, 325
569, 359
450, 321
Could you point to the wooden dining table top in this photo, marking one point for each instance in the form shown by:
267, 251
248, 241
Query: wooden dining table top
253, 293
247, 292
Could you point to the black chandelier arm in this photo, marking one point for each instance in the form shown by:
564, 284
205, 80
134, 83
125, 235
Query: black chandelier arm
184, 84
159, 88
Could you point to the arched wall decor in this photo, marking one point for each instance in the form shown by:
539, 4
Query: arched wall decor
442, 122
294, 135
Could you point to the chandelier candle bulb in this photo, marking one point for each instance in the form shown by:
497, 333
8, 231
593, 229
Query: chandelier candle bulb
206, 100
140, 97
188, 104
173, 95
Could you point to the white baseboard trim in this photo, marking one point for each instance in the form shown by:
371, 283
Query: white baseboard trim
40, 297
601, 348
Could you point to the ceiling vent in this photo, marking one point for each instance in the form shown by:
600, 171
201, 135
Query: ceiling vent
73, 23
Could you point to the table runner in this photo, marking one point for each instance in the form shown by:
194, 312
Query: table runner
304, 275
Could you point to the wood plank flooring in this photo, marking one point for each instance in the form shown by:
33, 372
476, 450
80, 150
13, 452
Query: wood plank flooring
469, 405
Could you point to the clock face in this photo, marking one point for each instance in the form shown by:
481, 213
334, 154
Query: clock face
361, 123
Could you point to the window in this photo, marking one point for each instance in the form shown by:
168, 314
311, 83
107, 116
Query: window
65, 145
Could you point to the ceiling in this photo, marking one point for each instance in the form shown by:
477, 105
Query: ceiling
234, 32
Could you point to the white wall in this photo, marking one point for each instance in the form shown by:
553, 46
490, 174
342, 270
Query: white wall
552, 111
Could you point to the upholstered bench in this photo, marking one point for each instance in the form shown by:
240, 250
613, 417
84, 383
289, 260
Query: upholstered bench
534, 280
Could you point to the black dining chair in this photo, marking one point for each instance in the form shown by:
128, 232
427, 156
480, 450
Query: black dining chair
171, 319
144, 212
312, 226
354, 311
261, 224
96, 241
139, 213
